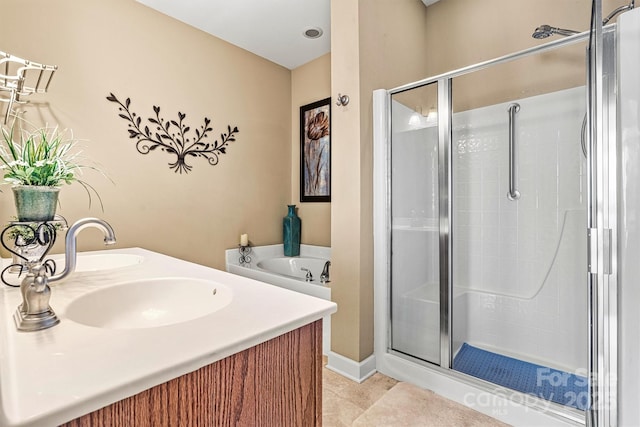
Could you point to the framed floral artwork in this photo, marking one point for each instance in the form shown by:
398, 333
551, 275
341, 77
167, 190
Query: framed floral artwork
315, 151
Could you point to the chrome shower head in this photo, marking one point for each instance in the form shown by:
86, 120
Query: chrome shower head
544, 31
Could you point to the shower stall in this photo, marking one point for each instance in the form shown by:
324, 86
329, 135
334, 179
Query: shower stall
493, 219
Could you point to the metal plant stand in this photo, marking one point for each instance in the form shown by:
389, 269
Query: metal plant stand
29, 244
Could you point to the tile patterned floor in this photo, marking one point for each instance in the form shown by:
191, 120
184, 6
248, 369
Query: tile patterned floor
382, 401
344, 400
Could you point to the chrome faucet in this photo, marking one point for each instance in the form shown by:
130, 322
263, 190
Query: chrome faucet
70, 251
324, 276
308, 277
35, 313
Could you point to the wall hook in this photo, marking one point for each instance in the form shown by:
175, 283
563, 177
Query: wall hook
342, 100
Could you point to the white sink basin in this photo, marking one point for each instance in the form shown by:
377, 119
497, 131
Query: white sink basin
149, 303
85, 263
99, 262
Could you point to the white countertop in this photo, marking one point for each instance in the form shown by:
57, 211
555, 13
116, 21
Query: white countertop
55, 375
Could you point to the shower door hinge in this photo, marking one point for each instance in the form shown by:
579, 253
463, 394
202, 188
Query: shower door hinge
592, 251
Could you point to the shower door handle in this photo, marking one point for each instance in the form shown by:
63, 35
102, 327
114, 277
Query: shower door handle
513, 193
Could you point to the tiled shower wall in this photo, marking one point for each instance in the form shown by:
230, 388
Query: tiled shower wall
521, 265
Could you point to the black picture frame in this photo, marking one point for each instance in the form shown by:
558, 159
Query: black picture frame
315, 151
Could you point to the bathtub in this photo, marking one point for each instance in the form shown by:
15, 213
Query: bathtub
268, 264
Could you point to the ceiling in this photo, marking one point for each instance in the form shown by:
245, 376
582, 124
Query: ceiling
272, 29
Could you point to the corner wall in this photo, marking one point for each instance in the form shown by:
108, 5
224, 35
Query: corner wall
374, 45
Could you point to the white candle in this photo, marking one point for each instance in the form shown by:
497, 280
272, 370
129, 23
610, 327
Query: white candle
244, 240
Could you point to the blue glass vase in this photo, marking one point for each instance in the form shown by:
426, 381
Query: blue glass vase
291, 232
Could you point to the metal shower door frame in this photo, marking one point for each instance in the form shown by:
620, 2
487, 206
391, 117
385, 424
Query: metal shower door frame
601, 176
602, 192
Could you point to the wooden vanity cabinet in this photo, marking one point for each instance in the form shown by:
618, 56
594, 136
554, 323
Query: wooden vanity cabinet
276, 383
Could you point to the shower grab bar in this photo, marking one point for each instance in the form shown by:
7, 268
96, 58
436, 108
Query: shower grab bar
513, 193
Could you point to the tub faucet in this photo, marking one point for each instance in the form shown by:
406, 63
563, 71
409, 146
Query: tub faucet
70, 241
307, 277
324, 276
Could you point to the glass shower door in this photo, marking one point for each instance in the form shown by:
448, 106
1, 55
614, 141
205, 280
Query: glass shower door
415, 279
519, 214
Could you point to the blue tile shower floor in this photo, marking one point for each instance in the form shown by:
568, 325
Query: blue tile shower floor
548, 383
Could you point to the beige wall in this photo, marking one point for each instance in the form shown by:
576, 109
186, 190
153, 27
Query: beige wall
121, 46
383, 44
501, 27
465, 32
346, 323
374, 45
310, 82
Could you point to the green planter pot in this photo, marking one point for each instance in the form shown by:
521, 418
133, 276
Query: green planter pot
35, 203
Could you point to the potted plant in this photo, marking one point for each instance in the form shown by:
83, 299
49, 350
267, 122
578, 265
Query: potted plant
37, 163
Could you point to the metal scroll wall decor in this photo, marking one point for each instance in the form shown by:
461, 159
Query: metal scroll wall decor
172, 136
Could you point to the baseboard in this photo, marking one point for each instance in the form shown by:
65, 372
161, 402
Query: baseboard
356, 371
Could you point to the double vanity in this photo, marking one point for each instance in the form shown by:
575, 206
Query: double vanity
148, 340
